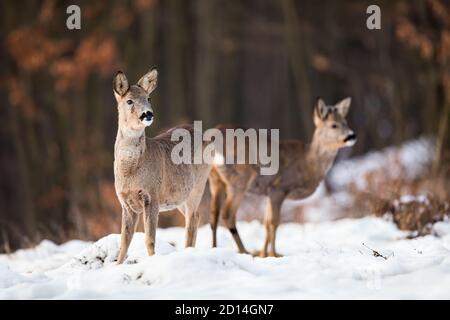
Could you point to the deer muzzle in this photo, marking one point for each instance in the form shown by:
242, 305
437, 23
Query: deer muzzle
350, 139
147, 118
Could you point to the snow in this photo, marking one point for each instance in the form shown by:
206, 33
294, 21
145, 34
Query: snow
409, 161
408, 198
324, 260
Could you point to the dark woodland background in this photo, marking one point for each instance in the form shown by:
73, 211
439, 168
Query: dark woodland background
257, 63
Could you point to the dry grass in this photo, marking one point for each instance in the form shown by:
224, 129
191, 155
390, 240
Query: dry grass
413, 205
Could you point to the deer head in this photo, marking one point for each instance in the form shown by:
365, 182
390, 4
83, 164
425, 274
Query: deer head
133, 102
331, 127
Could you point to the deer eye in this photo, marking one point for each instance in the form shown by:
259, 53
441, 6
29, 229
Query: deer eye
334, 126
148, 99
130, 101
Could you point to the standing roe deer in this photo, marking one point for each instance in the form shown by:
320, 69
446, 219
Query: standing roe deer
302, 168
146, 179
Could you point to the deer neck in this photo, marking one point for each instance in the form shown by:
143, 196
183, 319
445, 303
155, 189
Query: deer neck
319, 158
130, 146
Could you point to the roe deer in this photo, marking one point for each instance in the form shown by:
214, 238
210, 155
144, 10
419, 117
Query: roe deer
302, 167
146, 179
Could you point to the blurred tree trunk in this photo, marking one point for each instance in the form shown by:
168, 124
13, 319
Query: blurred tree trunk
174, 47
28, 212
26, 209
430, 109
442, 143
442, 136
297, 55
229, 94
149, 52
205, 63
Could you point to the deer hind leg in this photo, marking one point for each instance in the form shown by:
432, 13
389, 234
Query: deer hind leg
271, 222
236, 186
191, 214
192, 219
263, 252
129, 224
217, 188
229, 211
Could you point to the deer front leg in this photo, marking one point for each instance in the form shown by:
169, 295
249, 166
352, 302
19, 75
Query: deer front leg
151, 211
129, 223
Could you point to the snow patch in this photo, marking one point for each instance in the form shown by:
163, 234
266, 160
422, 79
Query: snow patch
409, 161
321, 260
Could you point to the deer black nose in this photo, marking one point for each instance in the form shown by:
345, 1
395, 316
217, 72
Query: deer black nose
148, 116
350, 137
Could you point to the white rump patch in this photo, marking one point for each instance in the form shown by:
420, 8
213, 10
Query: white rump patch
219, 159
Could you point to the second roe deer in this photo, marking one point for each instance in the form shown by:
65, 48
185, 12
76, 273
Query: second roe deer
145, 178
302, 167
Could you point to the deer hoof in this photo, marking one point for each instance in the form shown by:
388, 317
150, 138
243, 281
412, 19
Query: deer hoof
275, 255
259, 253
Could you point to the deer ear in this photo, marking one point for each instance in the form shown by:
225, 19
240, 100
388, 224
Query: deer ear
320, 111
148, 81
343, 106
120, 85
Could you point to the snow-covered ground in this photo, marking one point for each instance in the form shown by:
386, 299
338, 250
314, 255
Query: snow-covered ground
328, 260
322, 259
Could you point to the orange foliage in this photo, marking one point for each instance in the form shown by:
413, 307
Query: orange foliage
19, 99
144, 4
32, 49
444, 51
47, 11
440, 11
73, 72
121, 17
408, 33
51, 198
320, 62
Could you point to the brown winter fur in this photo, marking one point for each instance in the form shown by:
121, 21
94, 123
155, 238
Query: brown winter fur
302, 168
146, 179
